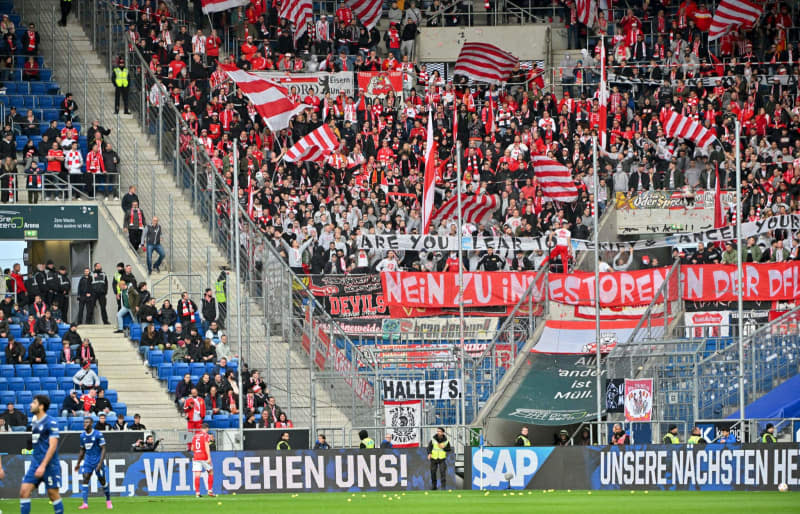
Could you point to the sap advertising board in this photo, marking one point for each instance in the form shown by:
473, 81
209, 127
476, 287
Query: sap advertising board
712, 467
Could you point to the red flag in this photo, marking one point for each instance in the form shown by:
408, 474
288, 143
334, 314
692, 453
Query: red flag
719, 211
603, 98
483, 62
428, 187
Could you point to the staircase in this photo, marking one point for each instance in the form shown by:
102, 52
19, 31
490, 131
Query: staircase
120, 363
193, 255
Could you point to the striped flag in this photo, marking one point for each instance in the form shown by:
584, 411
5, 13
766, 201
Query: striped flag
676, 125
587, 12
428, 186
210, 6
731, 14
314, 146
555, 180
483, 62
299, 13
603, 97
270, 100
475, 209
368, 12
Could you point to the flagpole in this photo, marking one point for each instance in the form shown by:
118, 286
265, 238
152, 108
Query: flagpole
460, 282
235, 210
740, 277
597, 290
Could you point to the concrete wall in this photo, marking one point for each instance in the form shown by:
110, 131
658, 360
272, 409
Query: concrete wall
526, 42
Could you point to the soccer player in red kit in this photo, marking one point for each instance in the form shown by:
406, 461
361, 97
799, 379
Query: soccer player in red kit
201, 460
195, 409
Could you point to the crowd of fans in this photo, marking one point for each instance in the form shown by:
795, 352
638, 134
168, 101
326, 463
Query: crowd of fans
659, 60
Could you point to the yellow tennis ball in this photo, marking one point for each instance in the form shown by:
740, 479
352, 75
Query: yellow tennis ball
459, 496
219, 503
646, 492
486, 493
590, 492
349, 499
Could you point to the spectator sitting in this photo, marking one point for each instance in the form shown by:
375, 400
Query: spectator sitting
181, 352
102, 423
250, 421
167, 315
86, 353
36, 352
71, 336
264, 421
103, 405
321, 443
30, 70
137, 423
120, 424
29, 327
224, 349
283, 421
146, 445
71, 406
46, 325
203, 385
148, 313
221, 368
183, 389
150, 338
214, 333
89, 400
208, 353
214, 403
166, 338
14, 419
86, 378
14, 351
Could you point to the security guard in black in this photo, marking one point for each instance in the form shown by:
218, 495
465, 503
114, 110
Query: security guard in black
491, 261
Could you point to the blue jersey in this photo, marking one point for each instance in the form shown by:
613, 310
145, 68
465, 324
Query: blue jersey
43, 430
92, 443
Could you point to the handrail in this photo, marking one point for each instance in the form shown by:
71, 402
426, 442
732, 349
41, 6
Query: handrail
661, 293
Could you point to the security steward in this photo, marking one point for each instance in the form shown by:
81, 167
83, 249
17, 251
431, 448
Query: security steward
671, 437
522, 438
283, 444
115, 283
491, 261
85, 298
768, 437
696, 437
51, 282
366, 442
437, 454
219, 295
120, 78
62, 291
99, 291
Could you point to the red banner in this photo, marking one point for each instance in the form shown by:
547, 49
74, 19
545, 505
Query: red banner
380, 83
768, 281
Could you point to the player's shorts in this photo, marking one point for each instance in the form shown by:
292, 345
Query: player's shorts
51, 477
88, 469
201, 466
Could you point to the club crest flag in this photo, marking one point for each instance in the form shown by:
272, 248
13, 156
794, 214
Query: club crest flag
402, 421
638, 399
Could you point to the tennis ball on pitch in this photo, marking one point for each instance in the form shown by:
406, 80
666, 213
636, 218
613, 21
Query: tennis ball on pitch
219, 503
459, 496
349, 499
426, 493
234, 493
390, 498
512, 494
485, 494
646, 492
363, 495
385, 495
530, 492
590, 492
633, 492
569, 490
504, 494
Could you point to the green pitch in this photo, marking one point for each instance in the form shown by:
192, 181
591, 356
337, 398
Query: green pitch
460, 502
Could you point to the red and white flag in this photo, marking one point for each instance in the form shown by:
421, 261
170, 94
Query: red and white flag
314, 146
210, 6
483, 62
475, 209
555, 180
429, 184
270, 100
300, 13
731, 14
368, 12
676, 125
603, 98
587, 12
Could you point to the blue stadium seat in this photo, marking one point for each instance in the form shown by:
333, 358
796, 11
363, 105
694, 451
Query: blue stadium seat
164, 370
49, 383
23, 370
52, 356
16, 384
179, 369
16, 330
55, 339
41, 370
7, 397
56, 370
57, 397
197, 368
155, 358
62, 423
172, 383
168, 355
63, 328
65, 383
21, 142
71, 369
112, 395
103, 383
120, 408
53, 346
24, 397
3, 384
76, 424
7, 370
33, 383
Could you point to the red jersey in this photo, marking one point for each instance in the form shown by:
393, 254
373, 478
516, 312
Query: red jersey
88, 403
195, 408
199, 442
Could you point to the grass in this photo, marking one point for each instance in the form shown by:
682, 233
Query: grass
465, 502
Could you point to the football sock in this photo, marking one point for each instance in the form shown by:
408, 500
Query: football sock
25, 506
58, 506
210, 482
196, 484
85, 492
107, 490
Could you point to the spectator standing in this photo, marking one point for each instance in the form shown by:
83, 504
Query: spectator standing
128, 199
127, 294
120, 79
30, 41
620, 436
66, 7
322, 443
151, 238
387, 440
85, 298
522, 438
111, 163
134, 225
437, 454
99, 292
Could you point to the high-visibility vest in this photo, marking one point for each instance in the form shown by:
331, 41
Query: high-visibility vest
117, 277
283, 445
121, 77
437, 452
768, 438
525, 440
219, 289
671, 438
694, 439
368, 443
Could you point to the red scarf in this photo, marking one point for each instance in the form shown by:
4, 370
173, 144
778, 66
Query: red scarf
40, 312
138, 213
86, 355
186, 308
31, 41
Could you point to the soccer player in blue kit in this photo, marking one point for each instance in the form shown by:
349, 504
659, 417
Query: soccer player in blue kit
93, 456
45, 466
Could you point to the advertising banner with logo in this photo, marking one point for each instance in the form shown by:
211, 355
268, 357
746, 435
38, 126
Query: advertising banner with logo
707, 324
349, 296
712, 467
170, 473
666, 212
638, 399
575, 337
556, 390
313, 83
379, 84
440, 329
45, 222
447, 389
402, 421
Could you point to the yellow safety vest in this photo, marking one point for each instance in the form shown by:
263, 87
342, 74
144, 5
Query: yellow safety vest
121, 77
117, 277
437, 452
368, 443
525, 440
693, 439
219, 291
768, 438
283, 445
670, 438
